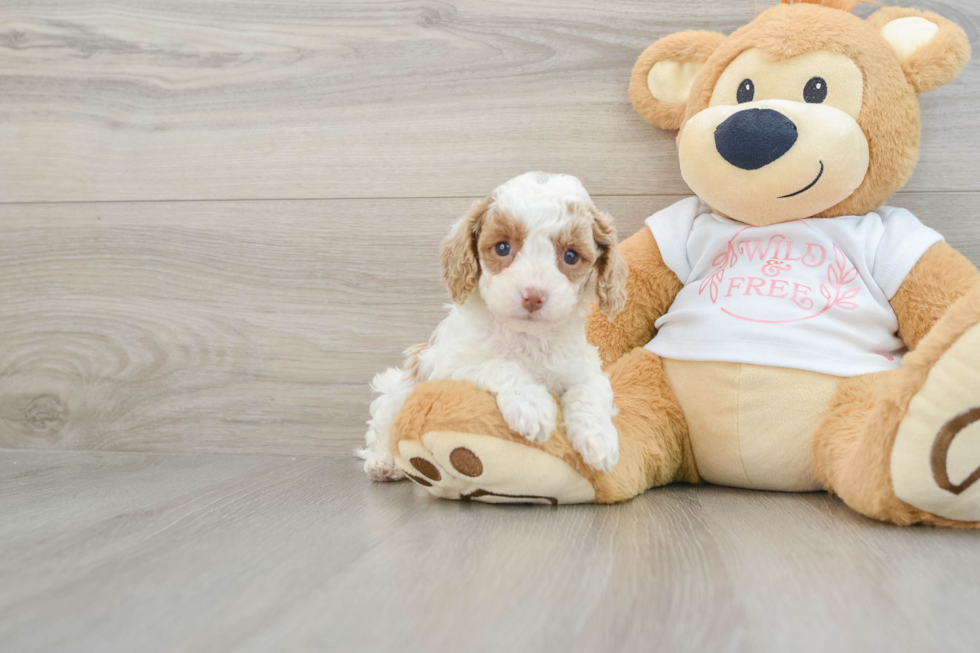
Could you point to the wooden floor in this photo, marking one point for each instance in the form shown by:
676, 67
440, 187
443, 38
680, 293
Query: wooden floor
219, 218
108, 552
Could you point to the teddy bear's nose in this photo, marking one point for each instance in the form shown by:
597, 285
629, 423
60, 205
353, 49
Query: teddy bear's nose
753, 138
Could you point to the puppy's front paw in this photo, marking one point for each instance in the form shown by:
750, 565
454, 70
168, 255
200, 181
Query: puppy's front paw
380, 466
594, 437
530, 410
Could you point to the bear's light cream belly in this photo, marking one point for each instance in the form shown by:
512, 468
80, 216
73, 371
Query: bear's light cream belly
752, 426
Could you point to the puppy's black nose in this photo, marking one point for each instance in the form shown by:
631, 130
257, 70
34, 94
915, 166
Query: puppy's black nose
753, 138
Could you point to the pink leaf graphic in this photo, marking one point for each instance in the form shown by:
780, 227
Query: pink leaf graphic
825, 292
714, 292
832, 275
847, 306
849, 276
847, 294
839, 257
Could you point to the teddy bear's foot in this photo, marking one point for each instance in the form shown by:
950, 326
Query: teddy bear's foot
935, 461
451, 438
466, 466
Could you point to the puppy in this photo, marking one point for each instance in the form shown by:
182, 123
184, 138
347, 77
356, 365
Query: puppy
522, 267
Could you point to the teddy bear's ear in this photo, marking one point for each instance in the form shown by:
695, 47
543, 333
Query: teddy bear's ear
931, 49
663, 75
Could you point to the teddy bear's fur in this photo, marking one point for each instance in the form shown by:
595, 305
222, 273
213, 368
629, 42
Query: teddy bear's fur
454, 436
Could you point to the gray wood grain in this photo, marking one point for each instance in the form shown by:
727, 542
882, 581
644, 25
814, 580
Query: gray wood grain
240, 99
109, 552
237, 326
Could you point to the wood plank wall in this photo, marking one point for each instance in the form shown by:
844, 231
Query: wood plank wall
219, 219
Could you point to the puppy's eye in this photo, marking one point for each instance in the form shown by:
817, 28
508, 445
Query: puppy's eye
815, 90
746, 91
502, 249
571, 257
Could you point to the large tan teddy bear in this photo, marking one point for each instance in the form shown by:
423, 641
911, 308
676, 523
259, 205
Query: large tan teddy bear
763, 344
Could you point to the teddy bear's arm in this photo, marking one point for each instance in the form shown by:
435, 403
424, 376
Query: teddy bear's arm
941, 276
651, 288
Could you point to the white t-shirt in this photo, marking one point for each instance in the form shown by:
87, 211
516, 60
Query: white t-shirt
808, 294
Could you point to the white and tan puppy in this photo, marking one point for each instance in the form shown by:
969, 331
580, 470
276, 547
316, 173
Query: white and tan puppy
523, 267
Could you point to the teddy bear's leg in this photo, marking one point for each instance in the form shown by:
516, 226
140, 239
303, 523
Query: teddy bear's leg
904, 446
451, 439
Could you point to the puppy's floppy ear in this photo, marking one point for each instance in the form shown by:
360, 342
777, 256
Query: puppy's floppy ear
663, 75
611, 267
931, 49
459, 254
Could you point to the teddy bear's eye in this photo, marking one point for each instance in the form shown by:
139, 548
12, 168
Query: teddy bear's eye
815, 90
502, 249
746, 91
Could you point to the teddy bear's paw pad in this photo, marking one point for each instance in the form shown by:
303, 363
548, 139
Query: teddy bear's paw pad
935, 462
417, 463
465, 466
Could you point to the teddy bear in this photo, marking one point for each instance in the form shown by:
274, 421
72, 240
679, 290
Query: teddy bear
784, 329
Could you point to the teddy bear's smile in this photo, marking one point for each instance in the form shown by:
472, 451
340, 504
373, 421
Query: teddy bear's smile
807, 187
